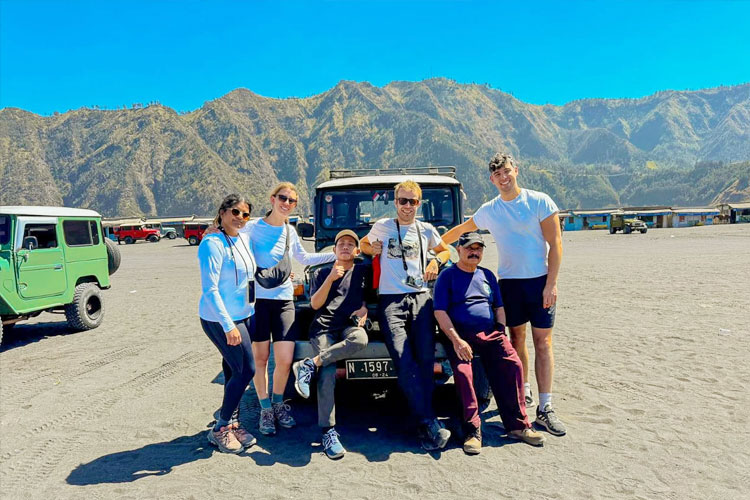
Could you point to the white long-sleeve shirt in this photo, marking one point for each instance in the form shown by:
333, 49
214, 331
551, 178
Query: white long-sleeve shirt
267, 243
225, 273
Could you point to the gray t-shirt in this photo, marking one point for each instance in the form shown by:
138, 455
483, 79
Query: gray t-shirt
392, 275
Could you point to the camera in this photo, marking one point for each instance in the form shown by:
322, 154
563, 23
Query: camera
414, 282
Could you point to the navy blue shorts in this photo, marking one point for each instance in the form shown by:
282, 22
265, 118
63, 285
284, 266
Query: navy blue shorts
524, 302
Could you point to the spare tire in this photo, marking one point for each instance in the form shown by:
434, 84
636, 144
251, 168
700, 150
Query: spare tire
113, 256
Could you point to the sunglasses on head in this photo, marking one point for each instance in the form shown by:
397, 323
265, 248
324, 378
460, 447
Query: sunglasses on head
285, 198
411, 201
237, 213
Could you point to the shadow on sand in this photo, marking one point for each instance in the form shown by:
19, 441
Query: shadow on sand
24, 334
373, 423
151, 460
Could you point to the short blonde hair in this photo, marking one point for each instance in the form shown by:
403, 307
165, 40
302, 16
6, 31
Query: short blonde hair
410, 186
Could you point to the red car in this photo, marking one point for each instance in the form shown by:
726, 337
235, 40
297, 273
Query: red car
194, 232
131, 234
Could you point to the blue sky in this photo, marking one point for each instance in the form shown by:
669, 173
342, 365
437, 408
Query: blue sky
60, 55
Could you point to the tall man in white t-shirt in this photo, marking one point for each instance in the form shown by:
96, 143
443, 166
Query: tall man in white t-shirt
405, 310
526, 229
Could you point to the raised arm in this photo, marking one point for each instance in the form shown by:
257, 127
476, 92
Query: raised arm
302, 256
551, 232
452, 235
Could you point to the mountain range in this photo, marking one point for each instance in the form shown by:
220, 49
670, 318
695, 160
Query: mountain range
671, 148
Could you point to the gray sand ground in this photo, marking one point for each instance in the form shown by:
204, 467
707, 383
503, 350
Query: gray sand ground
652, 344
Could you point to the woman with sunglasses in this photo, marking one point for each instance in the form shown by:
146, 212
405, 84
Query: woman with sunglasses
226, 312
272, 241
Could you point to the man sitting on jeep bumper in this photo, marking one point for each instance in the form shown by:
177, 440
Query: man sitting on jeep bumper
405, 309
469, 309
336, 332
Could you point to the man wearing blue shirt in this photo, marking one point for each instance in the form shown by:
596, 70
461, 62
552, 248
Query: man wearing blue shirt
526, 229
470, 312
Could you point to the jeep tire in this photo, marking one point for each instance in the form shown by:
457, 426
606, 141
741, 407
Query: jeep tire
193, 240
87, 309
113, 256
612, 230
643, 231
171, 236
627, 230
129, 240
152, 238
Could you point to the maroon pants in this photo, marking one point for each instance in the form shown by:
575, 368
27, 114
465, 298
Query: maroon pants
504, 372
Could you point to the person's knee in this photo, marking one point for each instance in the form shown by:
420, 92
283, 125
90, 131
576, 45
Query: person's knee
517, 334
359, 338
543, 343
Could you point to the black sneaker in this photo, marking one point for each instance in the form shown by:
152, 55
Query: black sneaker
546, 418
434, 436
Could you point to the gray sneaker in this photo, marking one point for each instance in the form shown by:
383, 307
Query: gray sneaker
434, 436
282, 412
267, 426
546, 418
332, 446
529, 400
303, 373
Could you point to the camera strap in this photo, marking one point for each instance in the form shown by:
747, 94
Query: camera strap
401, 245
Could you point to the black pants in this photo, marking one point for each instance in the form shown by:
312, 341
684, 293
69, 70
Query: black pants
237, 362
408, 326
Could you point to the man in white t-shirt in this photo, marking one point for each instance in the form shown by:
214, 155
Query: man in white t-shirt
526, 229
405, 307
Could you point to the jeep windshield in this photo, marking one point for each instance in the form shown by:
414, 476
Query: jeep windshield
360, 208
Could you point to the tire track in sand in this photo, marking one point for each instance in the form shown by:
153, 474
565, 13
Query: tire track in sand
45, 454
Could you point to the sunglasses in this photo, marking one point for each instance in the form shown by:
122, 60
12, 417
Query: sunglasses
284, 198
237, 213
411, 201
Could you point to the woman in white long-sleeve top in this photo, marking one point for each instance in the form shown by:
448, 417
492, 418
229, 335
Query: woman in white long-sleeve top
273, 241
226, 313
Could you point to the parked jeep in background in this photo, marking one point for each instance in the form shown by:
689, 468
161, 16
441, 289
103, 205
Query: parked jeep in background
627, 223
356, 199
134, 232
54, 259
164, 232
194, 232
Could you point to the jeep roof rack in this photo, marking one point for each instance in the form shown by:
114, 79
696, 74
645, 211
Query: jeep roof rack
438, 170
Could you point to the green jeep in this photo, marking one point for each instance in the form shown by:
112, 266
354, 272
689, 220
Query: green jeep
53, 259
627, 223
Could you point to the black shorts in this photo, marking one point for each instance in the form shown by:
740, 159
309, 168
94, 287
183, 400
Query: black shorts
524, 302
274, 319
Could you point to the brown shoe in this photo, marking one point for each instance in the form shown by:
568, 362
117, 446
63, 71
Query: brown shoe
245, 438
473, 442
529, 436
224, 440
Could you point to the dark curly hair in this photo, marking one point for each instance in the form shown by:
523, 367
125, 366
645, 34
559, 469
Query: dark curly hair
229, 201
501, 159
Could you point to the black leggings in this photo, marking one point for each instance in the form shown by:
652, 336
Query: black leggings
238, 363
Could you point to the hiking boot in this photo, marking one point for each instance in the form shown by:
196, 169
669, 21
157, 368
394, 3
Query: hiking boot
267, 426
473, 442
303, 373
529, 436
434, 436
546, 418
224, 440
332, 446
245, 438
282, 412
